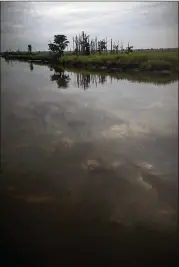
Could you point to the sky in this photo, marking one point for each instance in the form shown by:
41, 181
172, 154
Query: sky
142, 24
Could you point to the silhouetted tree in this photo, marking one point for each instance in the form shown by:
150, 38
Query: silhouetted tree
115, 48
84, 43
96, 43
77, 45
58, 46
129, 49
111, 46
30, 48
92, 46
122, 47
73, 43
106, 45
101, 46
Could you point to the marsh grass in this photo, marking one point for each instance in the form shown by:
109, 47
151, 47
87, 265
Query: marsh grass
143, 61
136, 60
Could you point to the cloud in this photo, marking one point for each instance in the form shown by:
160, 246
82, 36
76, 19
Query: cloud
144, 24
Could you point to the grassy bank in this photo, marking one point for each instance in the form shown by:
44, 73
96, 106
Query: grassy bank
35, 56
146, 61
165, 61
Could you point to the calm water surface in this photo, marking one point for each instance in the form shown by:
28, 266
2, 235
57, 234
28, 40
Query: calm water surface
89, 166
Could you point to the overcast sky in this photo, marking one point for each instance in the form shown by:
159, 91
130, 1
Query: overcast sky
144, 24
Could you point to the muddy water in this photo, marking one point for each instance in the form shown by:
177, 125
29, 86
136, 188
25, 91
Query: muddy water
88, 168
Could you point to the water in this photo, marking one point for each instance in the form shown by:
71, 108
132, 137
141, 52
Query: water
87, 159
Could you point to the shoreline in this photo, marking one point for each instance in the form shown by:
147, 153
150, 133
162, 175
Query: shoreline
156, 77
103, 68
153, 62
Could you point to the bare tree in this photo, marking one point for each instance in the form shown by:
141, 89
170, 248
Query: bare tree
111, 46
101, 46
129, 49
122, 47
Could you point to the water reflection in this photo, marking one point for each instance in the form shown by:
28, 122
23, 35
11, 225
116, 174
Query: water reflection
31, 66
77, 178
62, 79
85, 79
9, 62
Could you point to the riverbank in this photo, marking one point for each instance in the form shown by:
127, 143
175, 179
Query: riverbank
150, 61
157, 61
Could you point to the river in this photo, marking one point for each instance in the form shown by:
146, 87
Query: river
88, 163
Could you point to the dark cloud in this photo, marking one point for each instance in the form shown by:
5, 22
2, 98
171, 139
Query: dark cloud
145, 24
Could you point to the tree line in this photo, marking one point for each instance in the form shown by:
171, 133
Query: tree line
81, 45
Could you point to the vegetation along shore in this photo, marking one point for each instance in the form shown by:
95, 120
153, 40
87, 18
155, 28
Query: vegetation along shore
95, 55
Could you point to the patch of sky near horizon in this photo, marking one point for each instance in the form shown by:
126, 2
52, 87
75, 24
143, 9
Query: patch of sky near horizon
143, 24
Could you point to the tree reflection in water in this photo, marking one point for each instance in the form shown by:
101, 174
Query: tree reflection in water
9, 62
84, 80
60, 77
102, 79
31, 66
